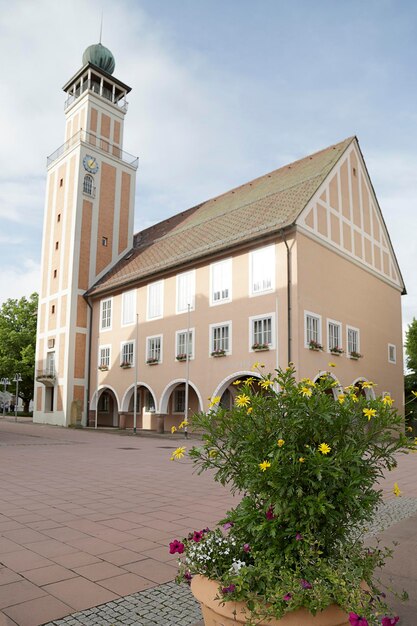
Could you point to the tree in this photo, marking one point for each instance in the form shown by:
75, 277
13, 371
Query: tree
411, 378
18, 343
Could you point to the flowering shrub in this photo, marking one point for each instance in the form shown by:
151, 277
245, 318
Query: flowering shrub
314, 345
336, 350
355, 355
307, 467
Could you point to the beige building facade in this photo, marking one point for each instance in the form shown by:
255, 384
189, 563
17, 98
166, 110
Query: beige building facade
296, 265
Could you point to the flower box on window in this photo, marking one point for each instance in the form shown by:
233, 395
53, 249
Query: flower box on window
355, 355
315, 345
260, 347
152, 361
125, 365
103, 368
181, 357
336, 350
218, 352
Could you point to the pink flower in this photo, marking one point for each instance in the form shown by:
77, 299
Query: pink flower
227, 525
176, 546
187, 577
246, 547
270, 513
356, 620
306, 585
287, 597
389, 621
229, 589
298, 537
198, 535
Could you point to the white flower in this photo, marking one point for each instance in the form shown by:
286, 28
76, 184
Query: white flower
236, 567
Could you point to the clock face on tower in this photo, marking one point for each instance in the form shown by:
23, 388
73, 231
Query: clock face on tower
90, 164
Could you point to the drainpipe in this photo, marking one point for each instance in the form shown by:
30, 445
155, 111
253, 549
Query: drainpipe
288, 296
90, 335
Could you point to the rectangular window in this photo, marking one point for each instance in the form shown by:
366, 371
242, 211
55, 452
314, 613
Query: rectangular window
155, 300
179, 401
392, 353
105, 314
127, 353
50, 363
104, 241
312, 328
220, 340
262, 331
104, 356
181, 344
352, 340
154, 349
185, 291
334, 336
128, 307
221, 281
262, 270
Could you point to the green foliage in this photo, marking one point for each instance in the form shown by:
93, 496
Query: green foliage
411, 347
18, 343
307, 467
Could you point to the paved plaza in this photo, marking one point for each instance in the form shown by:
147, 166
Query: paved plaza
86, 517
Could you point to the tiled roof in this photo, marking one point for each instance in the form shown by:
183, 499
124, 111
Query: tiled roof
257, 208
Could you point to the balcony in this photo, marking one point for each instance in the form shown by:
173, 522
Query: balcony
95, 87
46, 377
101, 144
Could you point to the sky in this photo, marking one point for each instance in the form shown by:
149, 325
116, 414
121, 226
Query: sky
223, 91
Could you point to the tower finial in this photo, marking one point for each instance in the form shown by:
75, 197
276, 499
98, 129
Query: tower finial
101, 25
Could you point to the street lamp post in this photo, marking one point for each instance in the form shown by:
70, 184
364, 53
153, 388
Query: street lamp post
17, 379
5, 382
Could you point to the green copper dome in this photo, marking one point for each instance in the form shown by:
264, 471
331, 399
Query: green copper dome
99, 55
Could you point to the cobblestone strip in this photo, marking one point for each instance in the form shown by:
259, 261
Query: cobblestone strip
173, 605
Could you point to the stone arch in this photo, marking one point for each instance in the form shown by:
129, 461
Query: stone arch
129, 392
337, 390
369, 393
108, 414
165, 395
224, 385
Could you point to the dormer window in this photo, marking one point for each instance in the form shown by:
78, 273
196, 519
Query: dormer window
88, 185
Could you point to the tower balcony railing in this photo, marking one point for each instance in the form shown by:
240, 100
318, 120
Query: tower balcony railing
94, 86
99, 143
46, 376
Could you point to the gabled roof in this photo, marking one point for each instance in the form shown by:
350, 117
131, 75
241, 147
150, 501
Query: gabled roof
260, 207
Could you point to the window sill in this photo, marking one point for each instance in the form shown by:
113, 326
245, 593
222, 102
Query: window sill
153, 362
218, 356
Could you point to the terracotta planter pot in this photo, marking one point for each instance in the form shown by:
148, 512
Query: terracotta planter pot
232, 613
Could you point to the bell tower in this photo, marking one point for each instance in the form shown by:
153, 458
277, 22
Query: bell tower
88, 227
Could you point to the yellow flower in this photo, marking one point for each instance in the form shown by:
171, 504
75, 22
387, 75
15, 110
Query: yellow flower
353, 397
178, 454
255, 365
367, 384
214, 401
331, 364
324, 448
280, 442
213, 453
396, 490
415, 441
306, 392
308, 381
387, 400
242, 400
301, 459
249, 380
349, 388
341, 398
414, 393
237, 382
409, 429
369, 413
264, 465
173, 429
249, 411
183, 424
266, 383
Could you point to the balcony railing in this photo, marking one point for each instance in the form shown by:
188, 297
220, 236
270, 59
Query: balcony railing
98, 142
46, 377
94, 86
